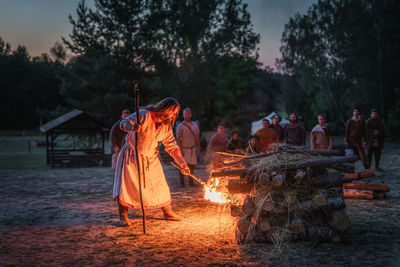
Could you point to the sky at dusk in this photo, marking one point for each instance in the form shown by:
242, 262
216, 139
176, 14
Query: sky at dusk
38, 24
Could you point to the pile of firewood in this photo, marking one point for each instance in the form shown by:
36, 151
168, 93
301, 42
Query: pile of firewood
291, 195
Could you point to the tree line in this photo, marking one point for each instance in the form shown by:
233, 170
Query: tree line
338, 55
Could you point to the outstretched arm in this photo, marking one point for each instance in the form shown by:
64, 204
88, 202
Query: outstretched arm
172, 148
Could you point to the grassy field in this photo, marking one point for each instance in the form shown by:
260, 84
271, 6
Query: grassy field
21, 152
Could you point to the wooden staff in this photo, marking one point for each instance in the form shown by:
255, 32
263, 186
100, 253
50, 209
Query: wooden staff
137, 98
191, 175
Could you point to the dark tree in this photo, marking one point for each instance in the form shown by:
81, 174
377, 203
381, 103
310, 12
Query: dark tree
170, 47
342, 54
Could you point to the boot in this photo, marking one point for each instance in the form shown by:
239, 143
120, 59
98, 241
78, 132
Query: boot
169, 214
125, 221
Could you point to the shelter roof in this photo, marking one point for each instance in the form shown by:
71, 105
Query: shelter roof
69, 120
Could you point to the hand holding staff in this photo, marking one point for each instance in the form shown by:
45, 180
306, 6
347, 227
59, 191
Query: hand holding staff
191, 175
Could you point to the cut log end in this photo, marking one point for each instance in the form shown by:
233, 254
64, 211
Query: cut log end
319, 200
339, 220
298, 226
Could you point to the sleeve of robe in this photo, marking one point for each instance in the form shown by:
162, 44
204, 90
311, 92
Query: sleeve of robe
171, 147
128, 123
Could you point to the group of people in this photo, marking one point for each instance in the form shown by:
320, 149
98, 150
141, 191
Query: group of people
292, 133
370, 134
359, 135
156, 125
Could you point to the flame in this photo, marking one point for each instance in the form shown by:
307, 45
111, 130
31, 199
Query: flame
212, 194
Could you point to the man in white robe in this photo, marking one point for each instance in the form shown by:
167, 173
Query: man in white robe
155, 126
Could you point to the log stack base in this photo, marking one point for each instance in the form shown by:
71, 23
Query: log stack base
299, 201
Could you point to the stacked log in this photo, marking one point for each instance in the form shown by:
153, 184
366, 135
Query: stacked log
360, 174
291, 196
365, 190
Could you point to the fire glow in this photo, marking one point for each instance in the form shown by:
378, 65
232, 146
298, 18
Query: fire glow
212, 194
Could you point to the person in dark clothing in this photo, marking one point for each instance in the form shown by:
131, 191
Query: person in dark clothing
235, 145
375, 138
294, 132
356, 136
117, 138
253, 147
278, 129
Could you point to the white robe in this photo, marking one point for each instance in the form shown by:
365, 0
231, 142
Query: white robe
155, 190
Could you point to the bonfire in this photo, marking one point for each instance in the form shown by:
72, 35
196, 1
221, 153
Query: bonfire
288, 194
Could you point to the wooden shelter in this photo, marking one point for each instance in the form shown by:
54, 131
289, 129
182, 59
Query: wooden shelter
76, 140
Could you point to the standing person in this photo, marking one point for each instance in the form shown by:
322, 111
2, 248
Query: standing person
294, 132
155, 126
356, 136
266, 136
277, 127
218, 143
375, 138
117, 138
321, 137
188, 139
235, 145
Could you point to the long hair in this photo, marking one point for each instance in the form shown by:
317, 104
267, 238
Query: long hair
163, 106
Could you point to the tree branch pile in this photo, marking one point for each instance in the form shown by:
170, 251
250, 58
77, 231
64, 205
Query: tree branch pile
291, 196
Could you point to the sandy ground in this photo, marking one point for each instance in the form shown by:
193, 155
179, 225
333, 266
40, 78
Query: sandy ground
67, 217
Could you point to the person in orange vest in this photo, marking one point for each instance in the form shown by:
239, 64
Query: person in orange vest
266, 136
